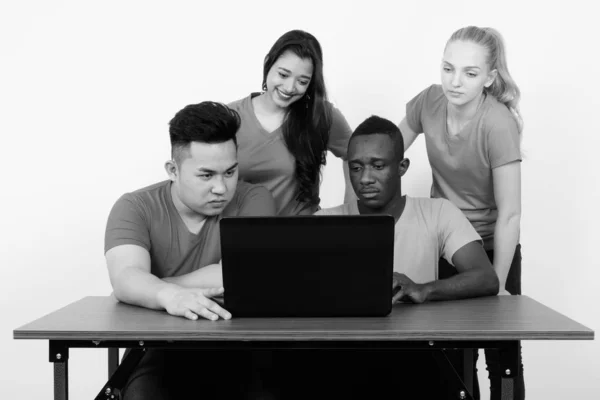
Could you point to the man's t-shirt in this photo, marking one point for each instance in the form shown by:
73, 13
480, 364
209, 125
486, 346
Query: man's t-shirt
148, 218
462, 164
427, 230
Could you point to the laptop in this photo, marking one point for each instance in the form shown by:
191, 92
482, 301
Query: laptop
308, 266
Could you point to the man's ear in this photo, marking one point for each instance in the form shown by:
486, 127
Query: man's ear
172, 170
491, 78
403, 166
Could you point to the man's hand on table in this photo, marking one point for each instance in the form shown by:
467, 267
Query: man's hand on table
404, 289
193, 303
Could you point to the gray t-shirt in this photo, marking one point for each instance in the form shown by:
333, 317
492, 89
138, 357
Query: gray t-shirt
148, 218
462, 164
427, 230
264, 158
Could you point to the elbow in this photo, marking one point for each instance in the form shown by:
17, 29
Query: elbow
118, 292
492, 286
119, 285
509, 218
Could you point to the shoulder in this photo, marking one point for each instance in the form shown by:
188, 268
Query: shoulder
249, 198
498, 116
432, 207
151, 190
240, 104
431, 94
435, 91
332, 108
338, 121
427, 202
339, 132
335, 113
434, 97
344, 209
429, 103
247, 191
148, 195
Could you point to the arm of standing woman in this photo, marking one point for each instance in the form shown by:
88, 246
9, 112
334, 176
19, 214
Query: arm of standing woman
408, 134
339, 137
349, 195
507, 193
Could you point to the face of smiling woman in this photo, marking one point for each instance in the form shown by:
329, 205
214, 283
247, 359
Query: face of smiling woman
288, 79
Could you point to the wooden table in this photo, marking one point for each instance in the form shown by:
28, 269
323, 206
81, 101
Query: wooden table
490, 322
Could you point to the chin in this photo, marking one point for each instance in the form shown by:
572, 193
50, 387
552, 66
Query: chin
373, 204
282, 103
211, 212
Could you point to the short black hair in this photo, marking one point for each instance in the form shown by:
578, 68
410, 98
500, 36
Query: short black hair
377, 125
206, 122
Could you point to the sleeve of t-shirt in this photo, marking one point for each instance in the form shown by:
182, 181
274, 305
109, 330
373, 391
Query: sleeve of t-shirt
126, 225
414, 110
339, 134
504, 141
258, 201
454, 230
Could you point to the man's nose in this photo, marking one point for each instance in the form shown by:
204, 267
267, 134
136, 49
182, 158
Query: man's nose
219, 185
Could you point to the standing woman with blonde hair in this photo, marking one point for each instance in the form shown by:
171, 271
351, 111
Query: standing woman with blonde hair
472, 128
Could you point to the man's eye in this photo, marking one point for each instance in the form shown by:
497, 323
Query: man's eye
205, 176
229, 174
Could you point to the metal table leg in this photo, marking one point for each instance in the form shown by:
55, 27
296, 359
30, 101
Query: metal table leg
113, 360
59, 355
468, 369
509, 359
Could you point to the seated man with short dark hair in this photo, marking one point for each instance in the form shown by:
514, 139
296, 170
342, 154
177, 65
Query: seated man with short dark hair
426, 229
163, 248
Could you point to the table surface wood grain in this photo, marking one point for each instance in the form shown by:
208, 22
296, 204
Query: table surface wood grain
488, 318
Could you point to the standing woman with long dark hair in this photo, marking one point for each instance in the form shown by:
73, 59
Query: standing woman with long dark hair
472, 127
285, 133
287, 129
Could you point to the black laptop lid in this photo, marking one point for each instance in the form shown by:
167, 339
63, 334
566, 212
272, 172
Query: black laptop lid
308, 266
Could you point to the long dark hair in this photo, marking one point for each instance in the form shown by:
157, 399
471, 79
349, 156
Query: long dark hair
308, 120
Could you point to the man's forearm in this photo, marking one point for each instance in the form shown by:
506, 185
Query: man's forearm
472, 283
210, 276
133, 286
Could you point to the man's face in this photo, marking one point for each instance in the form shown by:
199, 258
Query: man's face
206, 177
373, 169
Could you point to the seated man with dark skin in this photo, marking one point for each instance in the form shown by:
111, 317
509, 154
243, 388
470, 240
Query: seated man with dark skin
426, 229
163, 251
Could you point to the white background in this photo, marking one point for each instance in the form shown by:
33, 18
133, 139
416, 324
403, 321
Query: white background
87, 89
